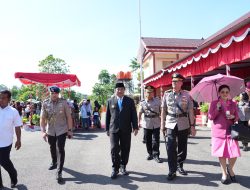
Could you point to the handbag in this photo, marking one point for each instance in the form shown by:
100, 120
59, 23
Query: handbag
240, 132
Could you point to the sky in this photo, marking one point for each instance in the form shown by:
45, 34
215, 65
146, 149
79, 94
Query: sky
91, 35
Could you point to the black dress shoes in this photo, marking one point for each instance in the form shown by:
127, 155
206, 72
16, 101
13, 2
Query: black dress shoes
123, 170
157, 159
182, 171
149, 157
59, 178
13, 183
114, 174
52, 166
171, 176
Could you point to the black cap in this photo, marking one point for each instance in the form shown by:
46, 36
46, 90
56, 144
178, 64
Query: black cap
177, 77
119, 85
149, 89
54, 89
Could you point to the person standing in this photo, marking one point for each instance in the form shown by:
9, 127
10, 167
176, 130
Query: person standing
177, 122
224, 113
244, 111
10, 119
56, 115
84, 116
150, 108
121, 120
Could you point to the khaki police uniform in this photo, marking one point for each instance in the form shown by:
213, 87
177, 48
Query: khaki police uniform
174, 116
150, 109
56, 114
177, 117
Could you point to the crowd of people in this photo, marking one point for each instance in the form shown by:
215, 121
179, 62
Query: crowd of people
173, 114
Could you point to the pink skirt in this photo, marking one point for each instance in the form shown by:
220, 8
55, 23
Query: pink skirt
226, 148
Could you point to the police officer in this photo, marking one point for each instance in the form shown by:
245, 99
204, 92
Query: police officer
56, 115
244, 112
151, 122
177, 118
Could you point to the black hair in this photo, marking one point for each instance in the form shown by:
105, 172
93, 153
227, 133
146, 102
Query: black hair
223, 86
6, 92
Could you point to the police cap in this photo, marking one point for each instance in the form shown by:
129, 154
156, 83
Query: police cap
119, 85
54, 89
177, 77
149, 89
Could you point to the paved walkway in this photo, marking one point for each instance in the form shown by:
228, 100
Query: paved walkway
88, 165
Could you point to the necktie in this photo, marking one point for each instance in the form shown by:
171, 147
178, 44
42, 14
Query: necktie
120, 104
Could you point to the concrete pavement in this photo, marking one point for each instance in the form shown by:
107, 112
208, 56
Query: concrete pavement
88, 165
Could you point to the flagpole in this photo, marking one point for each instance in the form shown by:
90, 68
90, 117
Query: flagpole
141, 57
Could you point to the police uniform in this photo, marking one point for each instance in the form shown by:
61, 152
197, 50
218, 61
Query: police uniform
151, 123
56, 113
178, 117
244, 113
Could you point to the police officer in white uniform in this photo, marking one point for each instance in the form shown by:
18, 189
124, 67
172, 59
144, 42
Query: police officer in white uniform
150, 108
177, 122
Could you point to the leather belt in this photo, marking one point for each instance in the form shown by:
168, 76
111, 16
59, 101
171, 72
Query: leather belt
178, 115
151, 116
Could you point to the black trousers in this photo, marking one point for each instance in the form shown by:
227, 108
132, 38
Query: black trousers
152, 141
176, 148
6, 163
120, 148
57, 144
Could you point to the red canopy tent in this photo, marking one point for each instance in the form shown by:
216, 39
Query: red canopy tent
49, 79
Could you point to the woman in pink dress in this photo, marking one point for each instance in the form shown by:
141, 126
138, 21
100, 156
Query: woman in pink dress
223, 113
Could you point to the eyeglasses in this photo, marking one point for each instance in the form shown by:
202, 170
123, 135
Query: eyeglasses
224, 92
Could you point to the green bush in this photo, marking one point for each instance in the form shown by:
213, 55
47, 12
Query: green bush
204, 107
36, 119
25, 119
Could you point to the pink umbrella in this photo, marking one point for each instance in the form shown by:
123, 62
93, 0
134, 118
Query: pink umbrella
207, 89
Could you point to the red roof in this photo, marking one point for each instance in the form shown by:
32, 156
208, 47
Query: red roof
49, 79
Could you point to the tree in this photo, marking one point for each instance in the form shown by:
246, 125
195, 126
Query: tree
104, 77
105, 88
53, 65
134, 65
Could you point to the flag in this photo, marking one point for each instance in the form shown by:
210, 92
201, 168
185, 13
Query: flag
228, 70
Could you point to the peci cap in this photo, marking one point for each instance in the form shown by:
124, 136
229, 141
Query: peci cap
54, 89
119, 85
149, 89
177, 77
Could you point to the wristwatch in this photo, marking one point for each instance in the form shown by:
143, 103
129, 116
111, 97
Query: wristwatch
69, 129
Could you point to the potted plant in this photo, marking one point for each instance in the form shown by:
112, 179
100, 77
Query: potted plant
36, 119
24, 119
204, 109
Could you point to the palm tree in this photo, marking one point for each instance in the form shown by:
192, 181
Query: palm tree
134, 65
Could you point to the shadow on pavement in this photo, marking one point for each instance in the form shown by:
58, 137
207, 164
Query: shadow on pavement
81, 178
201, 162
82, 136
18, 187
204, 179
